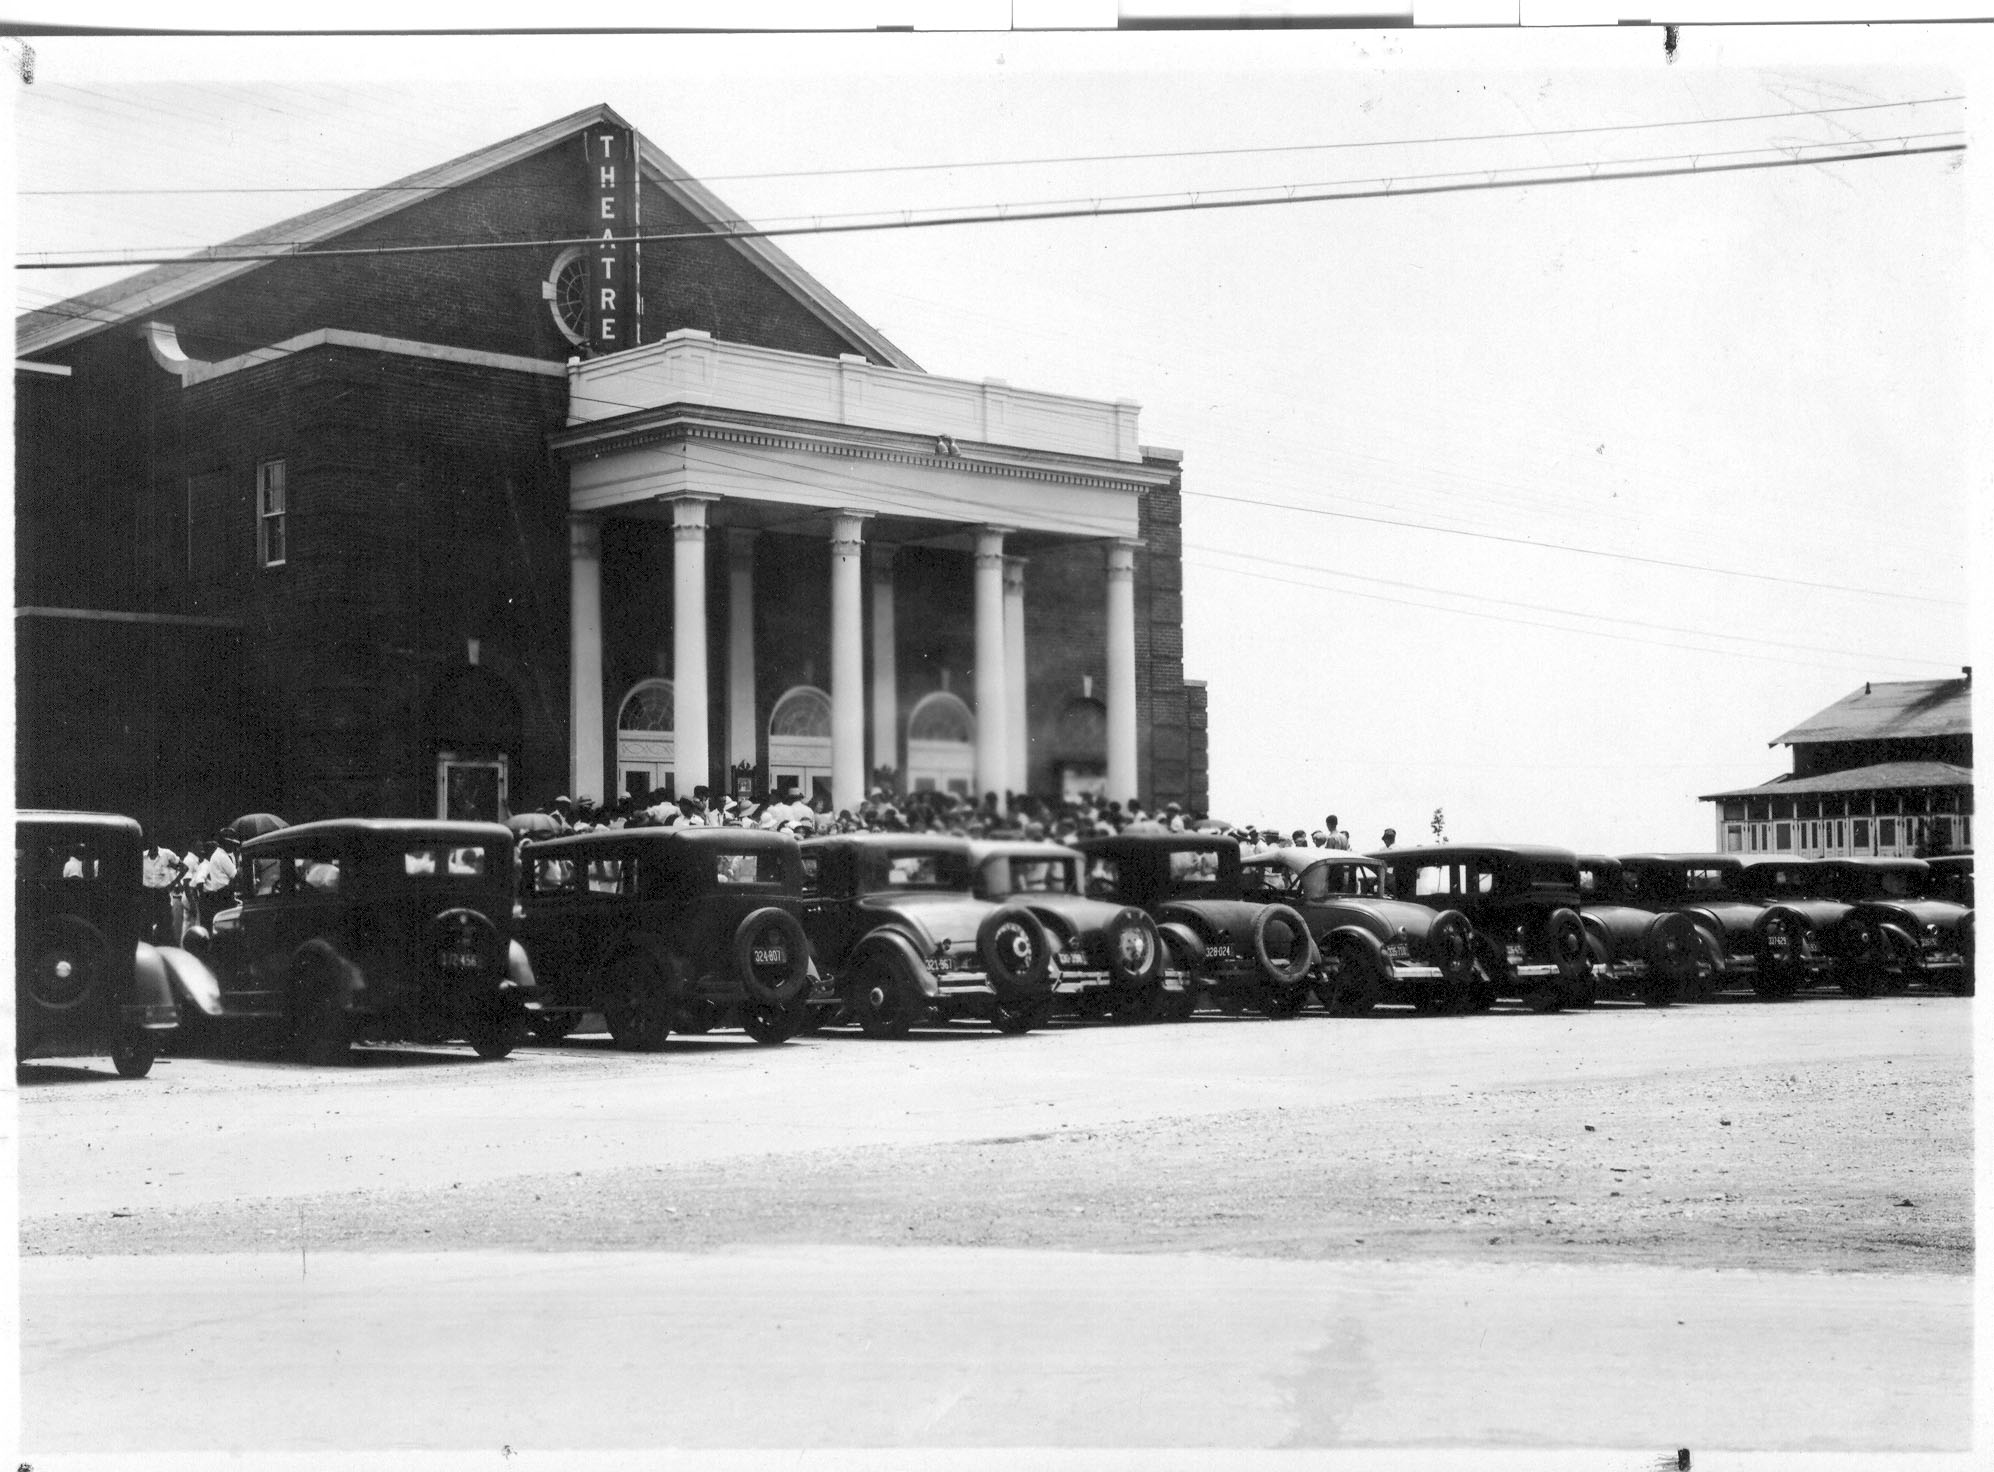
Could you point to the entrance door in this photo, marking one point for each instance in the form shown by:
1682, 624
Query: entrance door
471, 789
800, 745
941, 745
645, 745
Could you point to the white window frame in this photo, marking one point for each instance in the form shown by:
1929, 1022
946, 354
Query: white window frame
270, 477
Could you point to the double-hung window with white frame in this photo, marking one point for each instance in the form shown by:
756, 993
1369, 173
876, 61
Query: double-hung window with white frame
270, 540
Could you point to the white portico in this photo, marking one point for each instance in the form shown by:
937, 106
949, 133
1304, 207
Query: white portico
712, 437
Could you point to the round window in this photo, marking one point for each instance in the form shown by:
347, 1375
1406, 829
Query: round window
566, 291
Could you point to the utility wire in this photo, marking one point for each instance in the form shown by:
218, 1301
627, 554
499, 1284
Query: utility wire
1597, 173
1729, 572
1074, 158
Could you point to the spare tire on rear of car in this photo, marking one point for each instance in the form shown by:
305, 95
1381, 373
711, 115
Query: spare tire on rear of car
1281, 944
1015, 949
1135, 950
772, 956
1451, 943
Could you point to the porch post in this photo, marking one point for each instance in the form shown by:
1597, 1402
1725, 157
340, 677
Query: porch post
585, 658
993, 771
847, 662
1122, 782
691, 767
1016, 737
885, 664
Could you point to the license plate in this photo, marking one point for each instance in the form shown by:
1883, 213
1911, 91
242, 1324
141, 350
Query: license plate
1516, 954
458, 961
1072, 961
771, 956
1220, 953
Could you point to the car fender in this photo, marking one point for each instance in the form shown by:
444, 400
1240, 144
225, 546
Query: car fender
1597, 932
1357, 935
150, 984
1904, 940
1186, 946
194, 985
519, 969
899, 945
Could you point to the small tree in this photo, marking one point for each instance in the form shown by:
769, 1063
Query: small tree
1439, 825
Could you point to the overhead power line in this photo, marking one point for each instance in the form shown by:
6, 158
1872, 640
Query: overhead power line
1598, 172
1071, 158
1454, 531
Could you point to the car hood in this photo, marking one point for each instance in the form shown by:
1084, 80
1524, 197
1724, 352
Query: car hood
939, 917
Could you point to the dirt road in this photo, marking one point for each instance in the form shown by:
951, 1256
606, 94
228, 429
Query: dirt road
1766, 1172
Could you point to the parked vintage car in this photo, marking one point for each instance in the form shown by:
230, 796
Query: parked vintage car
901, 937
374, 930
1800, 914
1951, 878
1372, 948
1238, 952
1733, 926
1523, 902
1105, 955
85, 984
666, 930
1893, 932
1653, 956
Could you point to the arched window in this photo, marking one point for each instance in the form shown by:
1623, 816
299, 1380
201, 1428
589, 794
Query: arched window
646, 749
941, 745
648, 707
800, 744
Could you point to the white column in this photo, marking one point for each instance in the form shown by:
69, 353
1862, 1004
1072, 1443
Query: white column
689, 697
585, 658
1121, 672
992, 770
1017, 743
885, 663
847, 662
740, 647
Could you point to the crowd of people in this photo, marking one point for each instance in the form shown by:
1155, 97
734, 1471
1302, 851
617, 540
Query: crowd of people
887, 810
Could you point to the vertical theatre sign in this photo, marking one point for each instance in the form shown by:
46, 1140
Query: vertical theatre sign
612, 217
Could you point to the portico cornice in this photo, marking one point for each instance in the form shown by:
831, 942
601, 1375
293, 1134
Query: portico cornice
677, 423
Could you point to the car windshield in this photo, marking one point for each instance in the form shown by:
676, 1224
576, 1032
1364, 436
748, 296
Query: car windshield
445, 861
1004, 874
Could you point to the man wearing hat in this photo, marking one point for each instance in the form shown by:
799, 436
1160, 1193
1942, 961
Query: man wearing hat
1391, 837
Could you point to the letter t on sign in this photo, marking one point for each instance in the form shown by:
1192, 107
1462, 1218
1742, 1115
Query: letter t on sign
612, 219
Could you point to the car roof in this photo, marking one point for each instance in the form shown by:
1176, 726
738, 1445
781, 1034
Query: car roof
1020, 848
1432, 851
735, 839
1201, 842
904, 843
432, 830
1598, 861
1874, 861
60, 818
1762, 861
1701, 859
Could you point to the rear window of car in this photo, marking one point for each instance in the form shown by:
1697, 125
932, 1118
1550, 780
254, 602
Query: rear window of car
1703, 881
1455, 879
314, 873
608, 876
1194, 866
1013, 874
757, 866
63, 859
445, 861
914, 871
1274, 879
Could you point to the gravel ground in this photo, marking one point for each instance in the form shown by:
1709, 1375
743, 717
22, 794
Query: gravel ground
1841, 1166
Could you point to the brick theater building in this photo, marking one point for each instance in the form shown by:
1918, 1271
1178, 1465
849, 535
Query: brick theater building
453, 532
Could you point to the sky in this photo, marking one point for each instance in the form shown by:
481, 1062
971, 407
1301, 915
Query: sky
1545, 507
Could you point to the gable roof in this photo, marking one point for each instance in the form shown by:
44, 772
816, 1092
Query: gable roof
1883, 776
1890, 711
137, 297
